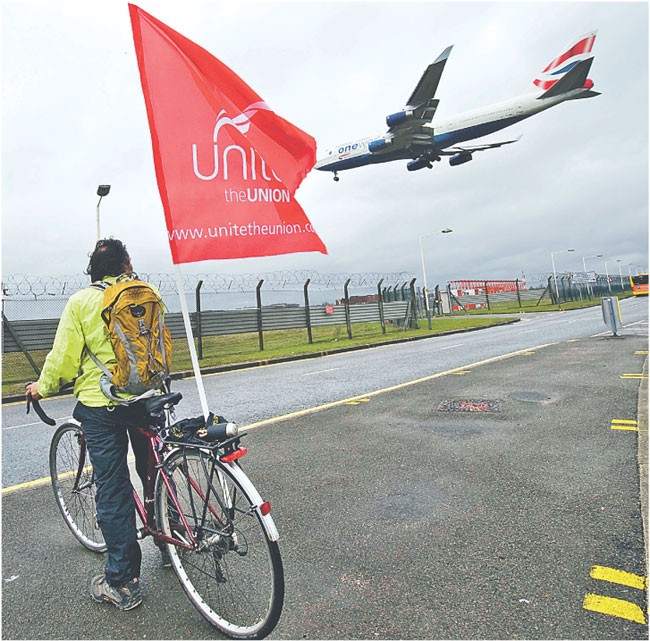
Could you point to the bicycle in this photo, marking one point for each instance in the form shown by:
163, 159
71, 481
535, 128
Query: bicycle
218, 531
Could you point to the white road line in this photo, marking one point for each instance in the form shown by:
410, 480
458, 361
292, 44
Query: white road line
451, 347
322, 371
13, 427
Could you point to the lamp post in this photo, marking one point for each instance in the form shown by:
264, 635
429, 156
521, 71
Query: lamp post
559, 251
620, 273
102, 190
584, 265
614, 260
424, 272
585, 257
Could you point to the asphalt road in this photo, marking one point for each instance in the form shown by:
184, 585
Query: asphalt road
401, 519
252, 395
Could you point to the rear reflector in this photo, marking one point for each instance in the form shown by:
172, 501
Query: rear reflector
233, 456
265, 508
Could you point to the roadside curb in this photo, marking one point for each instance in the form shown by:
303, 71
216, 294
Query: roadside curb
218, 369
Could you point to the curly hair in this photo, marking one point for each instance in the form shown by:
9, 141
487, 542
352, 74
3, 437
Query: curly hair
109, 258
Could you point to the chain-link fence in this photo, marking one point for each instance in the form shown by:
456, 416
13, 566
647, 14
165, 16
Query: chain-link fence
220, 304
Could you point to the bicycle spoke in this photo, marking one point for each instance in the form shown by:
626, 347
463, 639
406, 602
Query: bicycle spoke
233, 575
73, 486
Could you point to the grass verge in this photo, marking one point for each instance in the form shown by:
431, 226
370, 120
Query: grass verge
236, 349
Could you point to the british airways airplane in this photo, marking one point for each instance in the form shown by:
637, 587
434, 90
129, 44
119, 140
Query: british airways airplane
414, 134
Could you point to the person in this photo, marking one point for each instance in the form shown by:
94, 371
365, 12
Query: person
105, 424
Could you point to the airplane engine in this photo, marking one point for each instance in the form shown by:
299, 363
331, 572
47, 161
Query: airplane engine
399, 118
418, 163
459, 159
378, 145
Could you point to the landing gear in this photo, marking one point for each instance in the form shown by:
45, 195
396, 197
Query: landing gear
336, 178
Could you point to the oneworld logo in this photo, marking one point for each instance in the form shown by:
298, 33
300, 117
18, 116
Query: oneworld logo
234, 160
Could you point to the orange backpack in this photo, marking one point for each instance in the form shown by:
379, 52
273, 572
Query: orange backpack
133, 314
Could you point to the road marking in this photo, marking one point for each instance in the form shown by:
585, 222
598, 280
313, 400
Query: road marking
462, 372
620, 577
614, 607
359, 401
573, 340
641, 352
322, 371
13, 427
451, 347
633, 376
622, 424
326, 406
393, 388
528, 331
527, 353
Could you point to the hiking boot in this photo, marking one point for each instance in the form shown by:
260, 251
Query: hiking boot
126, 597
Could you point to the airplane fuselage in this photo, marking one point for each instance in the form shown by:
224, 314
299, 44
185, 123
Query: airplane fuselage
443, 133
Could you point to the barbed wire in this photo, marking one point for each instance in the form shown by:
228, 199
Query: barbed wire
37, 287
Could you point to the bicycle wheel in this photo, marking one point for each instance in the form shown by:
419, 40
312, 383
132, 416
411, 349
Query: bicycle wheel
73, 485
234, 574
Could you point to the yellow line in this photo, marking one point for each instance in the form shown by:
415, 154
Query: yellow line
393, 388
36, 483
618, 576
614, 607
642, 352
623, 424
359, 398
633, 376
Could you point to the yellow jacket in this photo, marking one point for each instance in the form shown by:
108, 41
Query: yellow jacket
81, 324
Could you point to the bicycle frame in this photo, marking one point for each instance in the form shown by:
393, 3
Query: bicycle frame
146, 511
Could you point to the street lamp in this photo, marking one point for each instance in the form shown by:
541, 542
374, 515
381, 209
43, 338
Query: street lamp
102, 191
585, 257
424, 272
559, 251
614, 260
584, 265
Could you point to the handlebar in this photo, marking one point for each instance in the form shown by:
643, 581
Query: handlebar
40, 411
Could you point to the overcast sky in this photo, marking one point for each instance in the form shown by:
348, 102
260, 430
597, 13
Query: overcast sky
74, 117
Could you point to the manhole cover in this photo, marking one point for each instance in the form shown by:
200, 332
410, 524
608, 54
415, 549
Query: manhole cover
470, 405
530, 397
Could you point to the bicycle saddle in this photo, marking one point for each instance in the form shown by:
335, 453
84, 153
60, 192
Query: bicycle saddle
156, 404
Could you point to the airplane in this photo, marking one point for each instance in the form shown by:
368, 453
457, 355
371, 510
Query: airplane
414, 135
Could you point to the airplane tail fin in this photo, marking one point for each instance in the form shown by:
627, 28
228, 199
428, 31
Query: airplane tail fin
577, 52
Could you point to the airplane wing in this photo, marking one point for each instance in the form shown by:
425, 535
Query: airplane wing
428, 84
421, 106
452, 151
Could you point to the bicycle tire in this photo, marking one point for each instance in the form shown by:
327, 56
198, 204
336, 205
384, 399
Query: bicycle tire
235, 580
73, 485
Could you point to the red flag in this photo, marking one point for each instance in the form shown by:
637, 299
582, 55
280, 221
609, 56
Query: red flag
227, 166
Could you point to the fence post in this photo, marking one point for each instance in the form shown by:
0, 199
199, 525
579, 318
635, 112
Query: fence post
413, 321
199, 337
307, 312
402, 294
28, 356
380, 302
346, 305
518, 294
487, 298
260, 330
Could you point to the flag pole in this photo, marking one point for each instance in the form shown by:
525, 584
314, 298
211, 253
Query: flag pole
190, 341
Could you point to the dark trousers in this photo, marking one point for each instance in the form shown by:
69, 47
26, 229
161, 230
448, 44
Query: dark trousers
106, 433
